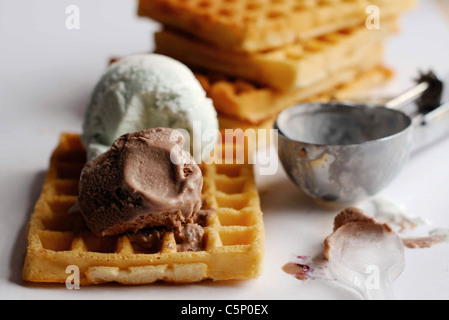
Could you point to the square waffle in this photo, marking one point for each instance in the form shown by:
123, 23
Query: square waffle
291, 67
234, 233
357, 90
248, 103
258, 25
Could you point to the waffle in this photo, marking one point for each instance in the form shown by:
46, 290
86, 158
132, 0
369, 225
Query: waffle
254, 104
234, 233
291, 67
258, 25
236, 98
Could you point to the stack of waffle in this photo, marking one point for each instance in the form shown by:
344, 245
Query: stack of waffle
258, 57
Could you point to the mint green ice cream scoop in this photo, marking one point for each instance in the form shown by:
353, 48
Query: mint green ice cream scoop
149, 91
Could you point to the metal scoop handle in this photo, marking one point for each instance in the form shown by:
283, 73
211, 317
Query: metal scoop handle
427, 93
408, 97
430, 117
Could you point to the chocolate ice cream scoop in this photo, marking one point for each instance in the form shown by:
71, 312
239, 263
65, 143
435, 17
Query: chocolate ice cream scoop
145, 180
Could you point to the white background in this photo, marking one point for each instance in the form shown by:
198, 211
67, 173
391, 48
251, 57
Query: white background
46, 75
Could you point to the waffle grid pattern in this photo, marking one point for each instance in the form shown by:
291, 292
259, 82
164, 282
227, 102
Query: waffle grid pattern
234, 234
258, 25
241, 104
288, 68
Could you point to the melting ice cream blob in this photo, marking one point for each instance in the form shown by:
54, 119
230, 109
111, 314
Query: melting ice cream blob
142, 181
364, 254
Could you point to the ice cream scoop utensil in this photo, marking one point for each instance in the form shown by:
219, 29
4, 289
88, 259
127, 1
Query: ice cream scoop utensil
346, 152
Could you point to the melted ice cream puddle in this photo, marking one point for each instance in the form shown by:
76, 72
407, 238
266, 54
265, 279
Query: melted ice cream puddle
392, 213
435, 237
364, 254
395, 215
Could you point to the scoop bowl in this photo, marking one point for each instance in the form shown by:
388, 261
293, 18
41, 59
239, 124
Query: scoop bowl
343, 153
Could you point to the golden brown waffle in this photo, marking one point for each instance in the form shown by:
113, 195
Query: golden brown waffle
234, 233
244, 101
236, 97
258, 25
296, 66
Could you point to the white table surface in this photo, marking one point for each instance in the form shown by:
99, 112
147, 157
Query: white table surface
47, 73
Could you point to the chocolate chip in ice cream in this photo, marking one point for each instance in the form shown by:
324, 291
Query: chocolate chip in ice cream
188, 236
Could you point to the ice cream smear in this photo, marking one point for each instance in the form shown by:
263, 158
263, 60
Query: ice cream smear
364, 253
136, 185
395, 215
435, 237
149, 91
